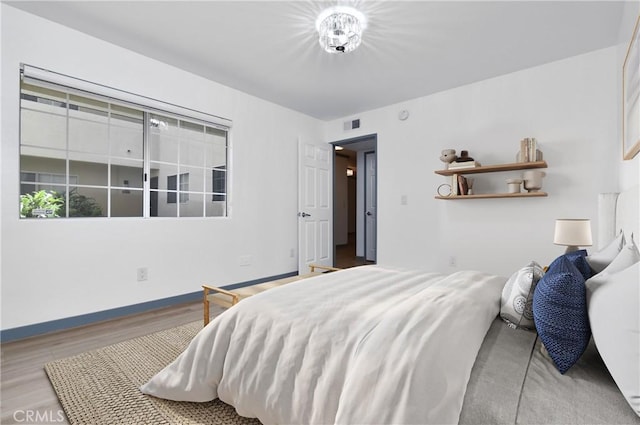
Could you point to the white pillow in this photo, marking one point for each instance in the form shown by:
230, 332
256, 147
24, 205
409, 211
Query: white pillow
625, 258
601, 259
613, 316
516, 305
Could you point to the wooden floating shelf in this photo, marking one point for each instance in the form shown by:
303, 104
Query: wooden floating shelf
495, 195
492, 169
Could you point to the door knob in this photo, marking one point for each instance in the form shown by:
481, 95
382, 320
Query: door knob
304, 214
369, 213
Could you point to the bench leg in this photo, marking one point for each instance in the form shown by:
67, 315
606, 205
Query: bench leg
205, 304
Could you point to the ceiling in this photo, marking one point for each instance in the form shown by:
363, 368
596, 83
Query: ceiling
410, 49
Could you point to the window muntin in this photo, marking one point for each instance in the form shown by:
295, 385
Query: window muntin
100, 152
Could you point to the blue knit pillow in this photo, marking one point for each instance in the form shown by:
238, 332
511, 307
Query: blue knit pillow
560, 313
579, 260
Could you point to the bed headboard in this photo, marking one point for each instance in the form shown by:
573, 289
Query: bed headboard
619, 211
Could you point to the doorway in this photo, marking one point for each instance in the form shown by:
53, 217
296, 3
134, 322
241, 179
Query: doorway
354, 206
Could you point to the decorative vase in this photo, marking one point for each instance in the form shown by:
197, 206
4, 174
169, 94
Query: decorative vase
513, 185
533, 180
470, 181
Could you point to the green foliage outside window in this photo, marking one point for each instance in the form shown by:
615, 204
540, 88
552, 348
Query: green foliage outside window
50, 204
41, 204
83, 206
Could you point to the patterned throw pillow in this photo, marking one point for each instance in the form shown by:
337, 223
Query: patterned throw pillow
560, 313
516, 305
579, 260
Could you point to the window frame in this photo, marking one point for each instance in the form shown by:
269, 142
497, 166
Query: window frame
71, 86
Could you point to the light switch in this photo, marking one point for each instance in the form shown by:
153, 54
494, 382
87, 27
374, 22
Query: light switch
403, 200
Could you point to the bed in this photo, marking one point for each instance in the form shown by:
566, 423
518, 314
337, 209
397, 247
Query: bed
386, 345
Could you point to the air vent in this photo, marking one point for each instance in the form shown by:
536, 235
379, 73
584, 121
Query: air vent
352, 125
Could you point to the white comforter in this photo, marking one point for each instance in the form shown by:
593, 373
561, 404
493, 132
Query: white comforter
367, 345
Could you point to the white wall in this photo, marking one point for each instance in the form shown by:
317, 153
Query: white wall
60, 268
569, 106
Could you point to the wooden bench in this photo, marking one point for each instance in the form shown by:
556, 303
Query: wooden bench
228, 298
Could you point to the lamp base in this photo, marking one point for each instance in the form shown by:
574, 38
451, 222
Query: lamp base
571, 248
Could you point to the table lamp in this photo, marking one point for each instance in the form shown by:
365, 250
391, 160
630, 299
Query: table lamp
573, 232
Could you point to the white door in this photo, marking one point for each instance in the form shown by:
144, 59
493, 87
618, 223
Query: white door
370, 206
315, 205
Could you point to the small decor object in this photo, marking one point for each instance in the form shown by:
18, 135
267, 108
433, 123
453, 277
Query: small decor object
533, 180
464, 157
470, 181
529, 151
631, 97
573, 233
444, 189
514, 185
464, 161
403, 115
448, 156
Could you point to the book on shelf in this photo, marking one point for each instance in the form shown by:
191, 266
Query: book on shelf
466, 164
463, 187
529, 151
454, 184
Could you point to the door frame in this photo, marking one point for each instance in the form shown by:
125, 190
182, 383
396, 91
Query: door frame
375, 190
352, 143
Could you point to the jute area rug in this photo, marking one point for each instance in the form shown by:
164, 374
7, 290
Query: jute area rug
101, 386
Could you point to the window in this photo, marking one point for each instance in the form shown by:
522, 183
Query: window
99, 156
172, 188
219, 183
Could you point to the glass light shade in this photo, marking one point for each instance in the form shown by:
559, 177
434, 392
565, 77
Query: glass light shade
573, 233
340, 29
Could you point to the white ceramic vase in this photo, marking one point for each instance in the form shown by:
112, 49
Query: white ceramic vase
532, 180
514, 185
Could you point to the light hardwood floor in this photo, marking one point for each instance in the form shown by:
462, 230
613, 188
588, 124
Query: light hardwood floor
25, 390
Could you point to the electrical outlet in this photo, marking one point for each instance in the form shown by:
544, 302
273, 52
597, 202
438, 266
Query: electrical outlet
453, 261
292, 253
143, 274
244, 260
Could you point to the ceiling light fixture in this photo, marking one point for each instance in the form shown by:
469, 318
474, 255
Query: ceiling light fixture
340, 29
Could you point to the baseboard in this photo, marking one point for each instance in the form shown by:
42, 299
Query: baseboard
22, 332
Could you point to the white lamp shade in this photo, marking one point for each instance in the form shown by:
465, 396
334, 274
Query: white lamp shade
573, 232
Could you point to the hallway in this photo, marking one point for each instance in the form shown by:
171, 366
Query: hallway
346, 255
